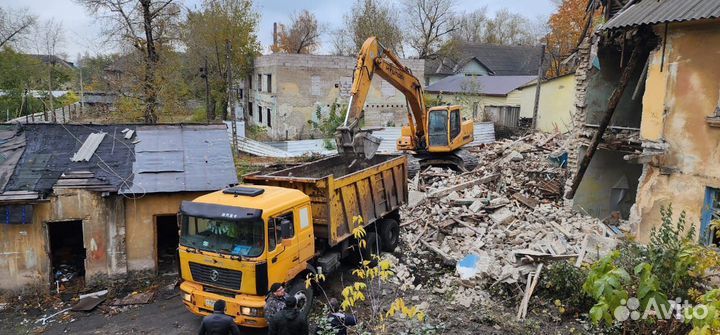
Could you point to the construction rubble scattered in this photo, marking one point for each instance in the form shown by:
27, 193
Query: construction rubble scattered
496, 224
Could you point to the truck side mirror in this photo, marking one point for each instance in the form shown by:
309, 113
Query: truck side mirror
286, 229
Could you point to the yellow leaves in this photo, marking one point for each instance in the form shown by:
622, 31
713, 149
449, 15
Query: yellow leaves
359, 232
310, 277
352, 294
410, 312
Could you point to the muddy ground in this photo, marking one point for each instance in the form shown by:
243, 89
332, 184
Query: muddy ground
166, 314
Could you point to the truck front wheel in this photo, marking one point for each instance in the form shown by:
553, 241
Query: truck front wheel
303, 295
389, 235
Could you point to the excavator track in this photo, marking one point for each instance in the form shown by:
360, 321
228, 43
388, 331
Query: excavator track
458, 160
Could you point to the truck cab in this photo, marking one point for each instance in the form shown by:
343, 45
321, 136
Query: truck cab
237, 242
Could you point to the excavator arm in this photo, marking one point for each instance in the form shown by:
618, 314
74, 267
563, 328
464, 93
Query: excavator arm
374, 58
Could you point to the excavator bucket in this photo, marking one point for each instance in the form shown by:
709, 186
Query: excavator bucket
366, 143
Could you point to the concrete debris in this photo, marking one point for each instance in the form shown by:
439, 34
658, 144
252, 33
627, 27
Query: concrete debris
498, 223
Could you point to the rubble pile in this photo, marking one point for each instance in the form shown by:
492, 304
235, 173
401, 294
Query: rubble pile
501, 220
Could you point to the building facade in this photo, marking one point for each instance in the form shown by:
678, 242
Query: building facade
662, 146
286, 91
100, 202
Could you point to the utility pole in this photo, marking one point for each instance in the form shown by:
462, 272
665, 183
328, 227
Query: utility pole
230, 105
537, 88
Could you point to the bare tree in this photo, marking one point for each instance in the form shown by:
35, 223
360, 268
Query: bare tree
147, 25
373, 18
48, 38
429, 24
505, 28
14, 25
471, 27
303, 37
509, 29
342, 44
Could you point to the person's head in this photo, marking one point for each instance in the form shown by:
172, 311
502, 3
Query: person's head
334, 305
290, 302
277, 290
219, 306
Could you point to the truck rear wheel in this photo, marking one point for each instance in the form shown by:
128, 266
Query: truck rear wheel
303, 295
371, 247
389, 235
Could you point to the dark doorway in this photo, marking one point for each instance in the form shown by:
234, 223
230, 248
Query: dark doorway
167, 243
67, 252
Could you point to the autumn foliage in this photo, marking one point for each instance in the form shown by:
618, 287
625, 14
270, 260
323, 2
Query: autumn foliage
566, 26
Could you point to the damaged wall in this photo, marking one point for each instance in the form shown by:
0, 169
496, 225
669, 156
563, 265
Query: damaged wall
141, 229
119, 235
609, 184
27, 247
677, 101
301, 83
603, 81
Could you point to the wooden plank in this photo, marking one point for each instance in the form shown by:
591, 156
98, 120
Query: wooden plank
529, 202
462, 186
522, 311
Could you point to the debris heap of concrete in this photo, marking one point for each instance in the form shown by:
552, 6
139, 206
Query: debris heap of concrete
500, 221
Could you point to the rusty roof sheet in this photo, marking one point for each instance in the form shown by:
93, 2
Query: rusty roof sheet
662, 11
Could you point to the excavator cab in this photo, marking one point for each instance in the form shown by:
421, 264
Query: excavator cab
447, 131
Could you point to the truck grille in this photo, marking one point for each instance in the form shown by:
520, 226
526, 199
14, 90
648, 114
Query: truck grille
215, 276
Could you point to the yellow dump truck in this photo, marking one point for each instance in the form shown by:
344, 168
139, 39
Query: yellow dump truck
281, 226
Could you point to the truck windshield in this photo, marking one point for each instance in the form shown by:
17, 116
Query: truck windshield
242, 237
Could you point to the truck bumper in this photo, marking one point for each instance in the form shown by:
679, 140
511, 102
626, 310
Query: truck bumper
201, 303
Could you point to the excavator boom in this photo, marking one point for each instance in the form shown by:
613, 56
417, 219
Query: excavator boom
374, 58
435, 136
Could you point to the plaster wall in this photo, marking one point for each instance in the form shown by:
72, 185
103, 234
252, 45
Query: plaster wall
679, 97
142, 230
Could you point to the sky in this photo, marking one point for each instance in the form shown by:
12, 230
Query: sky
83, 32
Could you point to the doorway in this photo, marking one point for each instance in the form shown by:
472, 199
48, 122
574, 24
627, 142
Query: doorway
167, 240
67, 252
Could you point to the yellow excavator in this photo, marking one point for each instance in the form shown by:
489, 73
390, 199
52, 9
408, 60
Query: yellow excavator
434, 136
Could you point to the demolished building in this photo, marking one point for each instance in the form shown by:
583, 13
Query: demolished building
662, 140
285, 91
100, 201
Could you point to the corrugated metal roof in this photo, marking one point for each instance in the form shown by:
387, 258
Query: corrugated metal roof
487, 85
661, 11
484, 132
181, 158
92, 142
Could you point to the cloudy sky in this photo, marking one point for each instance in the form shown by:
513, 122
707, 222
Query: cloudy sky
82, 32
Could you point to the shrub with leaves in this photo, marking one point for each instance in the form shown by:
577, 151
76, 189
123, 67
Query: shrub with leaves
327, 125
564, 282
671, 266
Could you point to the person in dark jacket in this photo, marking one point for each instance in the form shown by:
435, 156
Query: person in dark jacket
218, 323
275, 301
338, 320
288, 321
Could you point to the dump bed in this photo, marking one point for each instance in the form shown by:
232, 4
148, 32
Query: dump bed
340, 189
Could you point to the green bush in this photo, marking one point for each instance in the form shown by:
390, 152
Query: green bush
563, 282
327, 125
671, 266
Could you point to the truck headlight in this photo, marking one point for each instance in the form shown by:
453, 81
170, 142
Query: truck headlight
251, 311
187, 297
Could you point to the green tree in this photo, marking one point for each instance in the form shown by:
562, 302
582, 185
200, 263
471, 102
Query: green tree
149, 27
205, 34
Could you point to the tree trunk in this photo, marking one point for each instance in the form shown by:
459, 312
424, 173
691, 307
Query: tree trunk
151, 60
211, 109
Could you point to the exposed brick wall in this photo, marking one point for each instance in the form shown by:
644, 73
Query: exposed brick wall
575, 140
